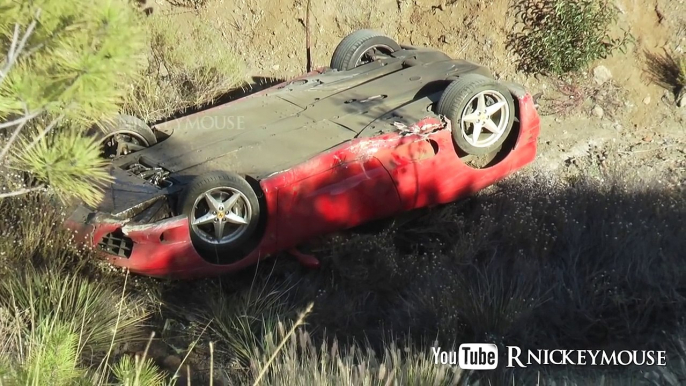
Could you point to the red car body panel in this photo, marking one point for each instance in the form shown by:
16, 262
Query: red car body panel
358, 181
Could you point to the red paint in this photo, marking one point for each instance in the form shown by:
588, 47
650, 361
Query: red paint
358, 181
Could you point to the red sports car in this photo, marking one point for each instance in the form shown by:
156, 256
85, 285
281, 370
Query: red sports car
387, 128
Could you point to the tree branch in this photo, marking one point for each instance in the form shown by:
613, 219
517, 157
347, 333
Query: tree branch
9, 143
20, 121
22, 191
44, 132
15, 48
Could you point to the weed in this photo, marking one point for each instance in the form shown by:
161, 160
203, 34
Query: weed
560, 36
195, 4
667, 71
138, 372
302, 362
240, 320
185, 69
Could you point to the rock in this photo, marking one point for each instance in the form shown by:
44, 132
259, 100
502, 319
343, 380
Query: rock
601, 74
668, 98
646, 100
163, 70
598, 111
682, 101
172, 362
275, 67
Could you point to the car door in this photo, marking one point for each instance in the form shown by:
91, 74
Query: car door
342, 197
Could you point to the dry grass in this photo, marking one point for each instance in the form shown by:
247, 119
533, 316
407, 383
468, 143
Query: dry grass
667, 71
539, 261
573, 96
189, 65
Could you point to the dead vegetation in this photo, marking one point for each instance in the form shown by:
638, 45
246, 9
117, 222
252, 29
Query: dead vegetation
668, 71
187, 68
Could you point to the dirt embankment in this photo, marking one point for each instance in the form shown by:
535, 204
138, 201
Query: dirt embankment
629, 112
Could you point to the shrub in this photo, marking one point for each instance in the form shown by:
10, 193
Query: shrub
138, 372
561, 36
189, 65
62, 65
668, 71
49, 357
301, 362
239, 321
100, 316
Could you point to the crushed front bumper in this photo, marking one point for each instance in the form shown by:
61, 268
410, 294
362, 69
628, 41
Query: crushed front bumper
158, 249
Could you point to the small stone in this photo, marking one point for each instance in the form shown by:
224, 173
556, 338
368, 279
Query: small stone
682, 101
648, 138
172, 362
598, 111
275, 67
163, 70
601, 74
646, 100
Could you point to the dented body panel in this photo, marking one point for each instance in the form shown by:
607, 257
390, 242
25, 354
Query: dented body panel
328, 153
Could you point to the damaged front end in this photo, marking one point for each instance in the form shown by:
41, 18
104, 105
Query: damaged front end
136, 209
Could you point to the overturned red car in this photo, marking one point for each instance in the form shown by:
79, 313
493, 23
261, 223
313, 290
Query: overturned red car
386, 128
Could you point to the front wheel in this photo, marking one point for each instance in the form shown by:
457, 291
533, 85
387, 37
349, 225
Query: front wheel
223, 211
481, 111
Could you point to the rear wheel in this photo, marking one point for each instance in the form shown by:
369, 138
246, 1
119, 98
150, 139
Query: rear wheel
481, 111
223, 211
124, 135
362, 47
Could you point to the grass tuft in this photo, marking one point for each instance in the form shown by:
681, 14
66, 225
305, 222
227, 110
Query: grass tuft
187, 68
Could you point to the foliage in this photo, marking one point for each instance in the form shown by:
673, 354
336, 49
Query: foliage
138, 372
76, 57
50, 358
188, 66
560, 36
67, 161
64, 64
87, 308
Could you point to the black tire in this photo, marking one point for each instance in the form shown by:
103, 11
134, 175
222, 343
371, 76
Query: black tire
126, 125
454, 103
353, 46
215, 182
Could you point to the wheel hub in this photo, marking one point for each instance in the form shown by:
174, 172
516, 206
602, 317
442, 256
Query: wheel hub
484, 124
220, 215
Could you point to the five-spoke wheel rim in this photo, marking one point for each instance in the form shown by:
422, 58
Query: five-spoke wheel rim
220, 215
122, 143
373, 53
485, 119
